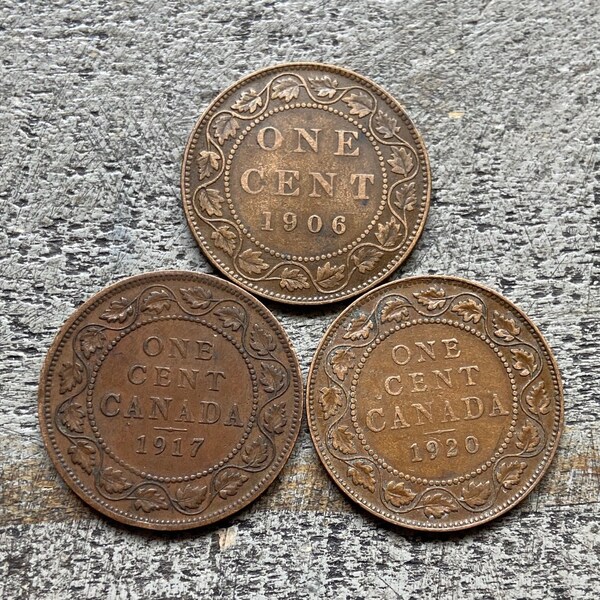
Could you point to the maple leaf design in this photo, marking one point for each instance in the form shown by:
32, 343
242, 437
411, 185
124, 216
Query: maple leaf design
325, 86
329, 275
361, 474
388, 233
402, 161
432, 298
275, 418
523, 361
528, 437
273, 377
477, 494
437, 505
342, 439
398, 494
360, 104
504, 327
156, 301
113, 481
196, 297
83, 454
366, 258
509, 473
342, 360
261, 341
358, 328
150, 499
286, 88
293, 279
387, 126
70, 375
537, 399
394, 310
255, 453
469, 310
406, 197
231, 316
330, 401
191, 497
249, 101
225, 126
91, 341
210, 202
224, 238
251, 261
72, 417
118, 310
228, 482
207, 162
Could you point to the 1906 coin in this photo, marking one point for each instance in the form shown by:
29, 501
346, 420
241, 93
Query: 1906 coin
435, 403
305, 183
170, 400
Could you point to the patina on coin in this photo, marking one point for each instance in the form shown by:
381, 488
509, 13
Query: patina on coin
435, 403
170, 400
305, 183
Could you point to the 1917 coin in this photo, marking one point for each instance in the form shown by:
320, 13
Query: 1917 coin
435, 403
306, 183
170, 400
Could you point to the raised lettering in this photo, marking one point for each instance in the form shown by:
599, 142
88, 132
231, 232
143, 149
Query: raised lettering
313, 142
400, 354
214, 379
104, 407
345, 139
277, 138
452, 350
245, 181
362, 178
370, 419
388, 385
160, 405
469, 406
418, 382
152, 346
421, 410
497, 408
327, 186
285, 182
428, 350
234, 417
139, 378
399, 420
468, 370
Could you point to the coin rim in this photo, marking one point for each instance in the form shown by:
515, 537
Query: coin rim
353, 494
240, 504
344, 294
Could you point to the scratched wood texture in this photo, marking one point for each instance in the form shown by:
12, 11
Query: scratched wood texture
97, 99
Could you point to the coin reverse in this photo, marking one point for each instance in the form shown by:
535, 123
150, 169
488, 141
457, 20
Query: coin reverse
305, 183
170, 400
435, 403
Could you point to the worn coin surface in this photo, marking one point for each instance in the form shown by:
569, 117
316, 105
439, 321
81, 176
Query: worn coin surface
435, 403
170, 400
305, 183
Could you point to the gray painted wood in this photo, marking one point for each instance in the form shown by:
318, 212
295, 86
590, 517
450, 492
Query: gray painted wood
97, 102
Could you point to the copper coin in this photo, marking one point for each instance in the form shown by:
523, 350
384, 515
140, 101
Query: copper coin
435, 403
170, 400
305, 183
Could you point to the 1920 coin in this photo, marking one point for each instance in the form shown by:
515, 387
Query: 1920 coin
306, 183
435, 403
170, 400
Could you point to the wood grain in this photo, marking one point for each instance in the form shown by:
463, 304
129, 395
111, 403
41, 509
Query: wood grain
98, 99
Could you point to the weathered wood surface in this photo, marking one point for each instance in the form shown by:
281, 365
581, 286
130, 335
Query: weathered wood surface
97, 102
